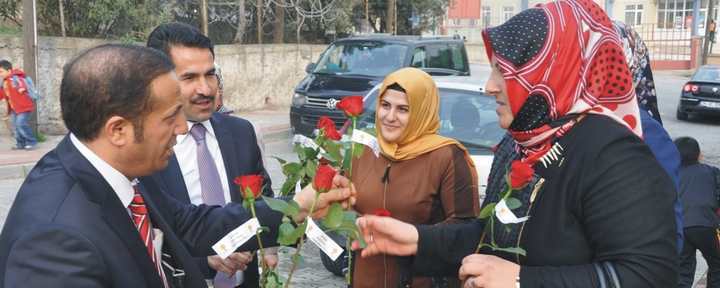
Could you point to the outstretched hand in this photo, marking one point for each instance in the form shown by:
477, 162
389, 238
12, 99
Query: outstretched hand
385, 235
341, 193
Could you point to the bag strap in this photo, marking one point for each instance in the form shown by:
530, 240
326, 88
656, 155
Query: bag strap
607, 276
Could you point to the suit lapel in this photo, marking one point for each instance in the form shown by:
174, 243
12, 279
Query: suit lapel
229, 155
114, 213
176, 249
173, 177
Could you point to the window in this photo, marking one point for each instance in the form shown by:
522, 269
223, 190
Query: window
678, 14
508, 12
486, 14
446, 56
633, 14
456, 22
473, 22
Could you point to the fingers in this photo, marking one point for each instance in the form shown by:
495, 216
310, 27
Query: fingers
217, 264
473, 265
241, 257
340, 181
271, 260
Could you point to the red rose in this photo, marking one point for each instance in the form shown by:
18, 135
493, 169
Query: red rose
351, 105
382, 212
324, 178
520, 174
328, 126
252, 182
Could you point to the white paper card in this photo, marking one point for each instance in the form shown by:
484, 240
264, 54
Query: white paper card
322, 240
505, 215
367, 140
298, 188
236, 238
308, 143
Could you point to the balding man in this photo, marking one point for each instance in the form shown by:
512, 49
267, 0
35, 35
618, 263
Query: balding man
82, 220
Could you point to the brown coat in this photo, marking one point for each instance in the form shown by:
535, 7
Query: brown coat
435, 187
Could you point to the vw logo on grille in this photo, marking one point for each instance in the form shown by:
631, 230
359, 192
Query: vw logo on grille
715, 89
331, 103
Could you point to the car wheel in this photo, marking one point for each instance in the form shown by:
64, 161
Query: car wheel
681, 115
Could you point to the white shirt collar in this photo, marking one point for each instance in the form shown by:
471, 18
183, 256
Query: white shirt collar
122, 186
180, 138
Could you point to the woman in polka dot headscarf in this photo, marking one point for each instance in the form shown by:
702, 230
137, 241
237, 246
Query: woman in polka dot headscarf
599, 212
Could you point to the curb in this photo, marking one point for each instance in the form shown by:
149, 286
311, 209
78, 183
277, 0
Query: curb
276, 132
15, 171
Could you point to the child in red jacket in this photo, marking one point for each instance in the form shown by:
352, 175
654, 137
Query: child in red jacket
20, 105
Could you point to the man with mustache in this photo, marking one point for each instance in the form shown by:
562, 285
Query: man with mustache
81, 218
218, 148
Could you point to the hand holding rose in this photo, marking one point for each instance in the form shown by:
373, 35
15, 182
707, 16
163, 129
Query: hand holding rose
333, 188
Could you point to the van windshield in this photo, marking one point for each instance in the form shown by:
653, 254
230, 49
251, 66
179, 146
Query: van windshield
370, 58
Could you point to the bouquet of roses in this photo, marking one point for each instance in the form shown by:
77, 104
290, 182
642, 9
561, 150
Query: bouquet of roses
320, 159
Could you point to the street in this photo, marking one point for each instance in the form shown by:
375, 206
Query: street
311, 272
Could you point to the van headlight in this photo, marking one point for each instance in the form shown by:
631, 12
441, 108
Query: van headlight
298, 100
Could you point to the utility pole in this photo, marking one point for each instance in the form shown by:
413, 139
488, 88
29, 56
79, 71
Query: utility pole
706, 43
62, 17
30, 44
259, 20
367, 9
204, 16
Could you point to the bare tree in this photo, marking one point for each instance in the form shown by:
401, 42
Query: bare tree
242, 22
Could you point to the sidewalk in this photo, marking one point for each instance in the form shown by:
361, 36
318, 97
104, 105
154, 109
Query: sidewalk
273, 124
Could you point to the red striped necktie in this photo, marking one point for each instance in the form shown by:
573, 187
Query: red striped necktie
142, 223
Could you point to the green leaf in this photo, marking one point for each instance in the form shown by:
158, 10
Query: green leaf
246, 205
513, 203
285, 234
289, 235
293, 209
311, 168
360, 240
282, 161
333, 150
513, 250
487, 211
291, 169
350, 216
276, 204
300, 151
358, 150
310, 154
334, 217
288, 187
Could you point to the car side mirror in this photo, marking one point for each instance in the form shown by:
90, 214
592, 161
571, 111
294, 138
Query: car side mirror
309, 68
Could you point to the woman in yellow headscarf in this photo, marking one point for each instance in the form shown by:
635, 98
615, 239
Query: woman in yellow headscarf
420, 177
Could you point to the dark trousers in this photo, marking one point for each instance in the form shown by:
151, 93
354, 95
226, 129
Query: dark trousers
706, 239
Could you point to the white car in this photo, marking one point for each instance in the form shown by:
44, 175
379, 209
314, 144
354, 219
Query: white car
466, 114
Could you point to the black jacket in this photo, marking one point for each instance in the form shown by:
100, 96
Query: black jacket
67, 228
605, 200
698, 190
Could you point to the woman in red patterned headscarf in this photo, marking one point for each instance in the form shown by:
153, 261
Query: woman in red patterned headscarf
600, 211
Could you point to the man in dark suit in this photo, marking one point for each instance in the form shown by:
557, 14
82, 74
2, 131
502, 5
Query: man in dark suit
225, 144
81, 219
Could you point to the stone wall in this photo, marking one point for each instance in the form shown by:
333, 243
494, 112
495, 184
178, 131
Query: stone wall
256, 76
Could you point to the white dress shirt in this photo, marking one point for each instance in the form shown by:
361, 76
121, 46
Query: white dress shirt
186, 153
123, 188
